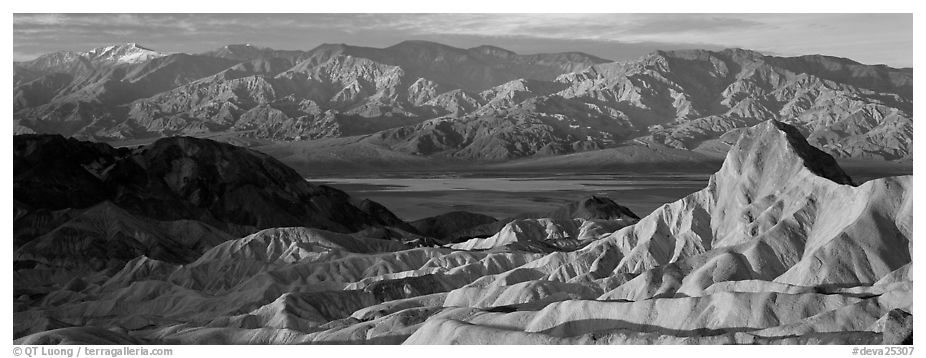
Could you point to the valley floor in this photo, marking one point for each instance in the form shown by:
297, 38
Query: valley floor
414, 196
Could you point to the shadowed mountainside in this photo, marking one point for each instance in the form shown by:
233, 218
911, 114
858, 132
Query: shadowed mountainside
82, 206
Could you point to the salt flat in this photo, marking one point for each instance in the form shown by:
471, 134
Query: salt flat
412, 196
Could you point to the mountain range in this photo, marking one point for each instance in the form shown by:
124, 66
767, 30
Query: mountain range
421, 100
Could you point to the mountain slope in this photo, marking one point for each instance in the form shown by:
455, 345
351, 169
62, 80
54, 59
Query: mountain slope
429, 99
688, 100
335, 86
684, 99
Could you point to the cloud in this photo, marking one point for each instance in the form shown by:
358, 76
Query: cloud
847, 35
681, 23
623, 27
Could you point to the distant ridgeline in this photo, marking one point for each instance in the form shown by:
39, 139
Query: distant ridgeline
484, 103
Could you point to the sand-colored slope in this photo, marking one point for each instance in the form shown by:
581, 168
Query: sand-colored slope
777, 224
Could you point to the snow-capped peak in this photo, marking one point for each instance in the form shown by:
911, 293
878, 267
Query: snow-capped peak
125, 53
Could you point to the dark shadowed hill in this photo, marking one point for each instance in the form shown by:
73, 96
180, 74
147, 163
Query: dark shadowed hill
183, 178
83, 205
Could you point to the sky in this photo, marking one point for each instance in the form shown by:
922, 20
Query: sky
866, 38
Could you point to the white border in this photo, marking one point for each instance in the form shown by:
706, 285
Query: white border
474, 6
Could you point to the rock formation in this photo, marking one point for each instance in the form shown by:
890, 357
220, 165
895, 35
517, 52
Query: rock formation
781, 247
